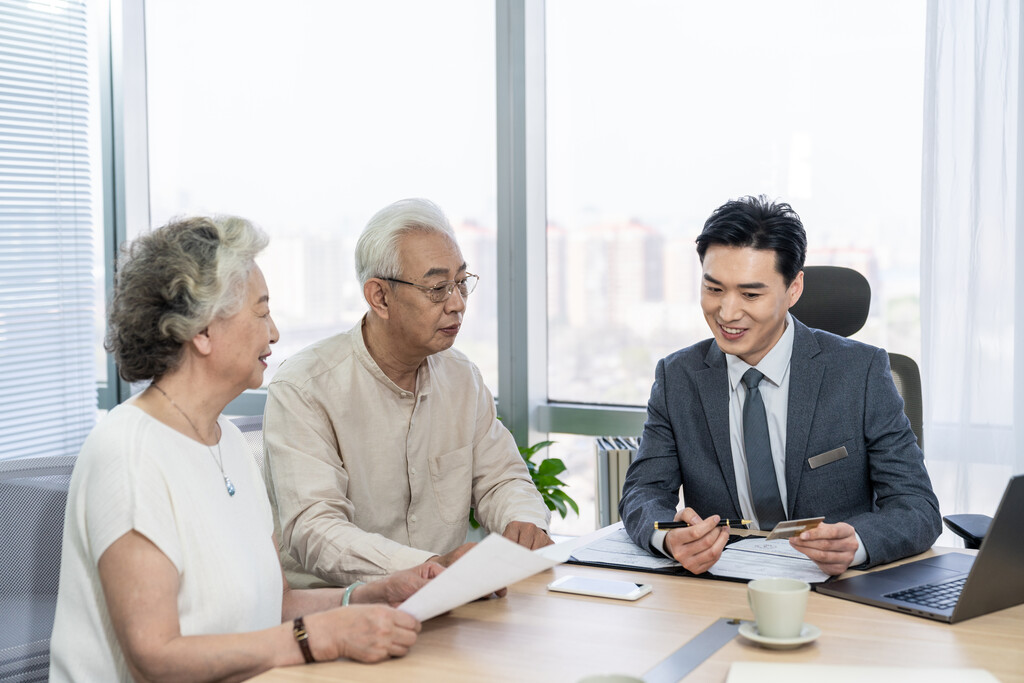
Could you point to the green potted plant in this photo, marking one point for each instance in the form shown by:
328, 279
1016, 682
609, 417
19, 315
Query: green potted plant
545, 478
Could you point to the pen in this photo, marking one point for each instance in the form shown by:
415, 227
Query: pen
683, 525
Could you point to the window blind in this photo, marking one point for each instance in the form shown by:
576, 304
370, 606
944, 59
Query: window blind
47, 284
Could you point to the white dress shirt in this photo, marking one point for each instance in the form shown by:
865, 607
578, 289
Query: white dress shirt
774, 390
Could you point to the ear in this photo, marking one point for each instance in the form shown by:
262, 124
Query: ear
202, 342
796, 288
376, 294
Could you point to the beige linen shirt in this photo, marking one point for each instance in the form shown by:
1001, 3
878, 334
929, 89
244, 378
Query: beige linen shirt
366, 478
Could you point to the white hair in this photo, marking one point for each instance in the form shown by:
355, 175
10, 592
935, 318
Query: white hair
377, 249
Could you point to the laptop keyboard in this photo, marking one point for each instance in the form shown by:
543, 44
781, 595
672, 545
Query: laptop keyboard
935, 595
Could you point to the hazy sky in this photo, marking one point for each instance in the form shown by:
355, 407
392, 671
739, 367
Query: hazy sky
313, 114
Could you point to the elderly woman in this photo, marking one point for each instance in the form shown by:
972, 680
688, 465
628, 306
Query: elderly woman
169, 568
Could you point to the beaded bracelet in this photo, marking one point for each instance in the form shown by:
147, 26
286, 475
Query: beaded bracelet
348, 592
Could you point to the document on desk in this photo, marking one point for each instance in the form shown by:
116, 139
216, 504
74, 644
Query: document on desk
618, 549
750, 558
491, 564
758, 558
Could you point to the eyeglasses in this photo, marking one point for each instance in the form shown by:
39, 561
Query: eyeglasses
440, 292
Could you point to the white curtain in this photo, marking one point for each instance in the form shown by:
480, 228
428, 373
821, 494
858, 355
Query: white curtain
972, 235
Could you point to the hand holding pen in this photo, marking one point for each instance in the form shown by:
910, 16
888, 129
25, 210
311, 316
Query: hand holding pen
696, 544
732, 523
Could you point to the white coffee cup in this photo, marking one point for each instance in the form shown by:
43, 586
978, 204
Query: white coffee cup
778, 606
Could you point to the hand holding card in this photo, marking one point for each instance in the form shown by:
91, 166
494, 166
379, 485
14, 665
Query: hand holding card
794, 527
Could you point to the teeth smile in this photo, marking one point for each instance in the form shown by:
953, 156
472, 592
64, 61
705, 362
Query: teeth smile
732, 330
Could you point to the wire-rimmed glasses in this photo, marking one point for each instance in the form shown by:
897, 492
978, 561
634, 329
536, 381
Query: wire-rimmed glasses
440, 292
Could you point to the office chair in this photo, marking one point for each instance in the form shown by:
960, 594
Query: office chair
251, 427
33, 494
837, 300
907, 377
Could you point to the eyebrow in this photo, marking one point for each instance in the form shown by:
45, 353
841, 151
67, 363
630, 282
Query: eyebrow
443, 271
263, 299
744, 285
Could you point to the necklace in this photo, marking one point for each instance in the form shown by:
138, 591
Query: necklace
219, 460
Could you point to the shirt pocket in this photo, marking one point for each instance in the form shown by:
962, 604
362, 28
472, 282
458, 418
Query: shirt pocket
451, 477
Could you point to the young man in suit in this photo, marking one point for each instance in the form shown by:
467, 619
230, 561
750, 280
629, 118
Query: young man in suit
820, 432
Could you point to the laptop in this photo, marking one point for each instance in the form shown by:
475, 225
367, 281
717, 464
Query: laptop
954, 586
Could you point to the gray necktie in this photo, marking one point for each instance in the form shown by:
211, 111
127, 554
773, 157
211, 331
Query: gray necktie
764, 487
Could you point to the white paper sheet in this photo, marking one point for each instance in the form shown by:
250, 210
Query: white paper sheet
493, 563
757, 558
783, 672
618, 549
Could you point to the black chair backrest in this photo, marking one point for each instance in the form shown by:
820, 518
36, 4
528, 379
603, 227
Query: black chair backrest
907, 377
835, 299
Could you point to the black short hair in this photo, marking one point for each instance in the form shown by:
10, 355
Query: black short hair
760, 223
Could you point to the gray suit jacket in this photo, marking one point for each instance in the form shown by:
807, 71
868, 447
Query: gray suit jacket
841, 393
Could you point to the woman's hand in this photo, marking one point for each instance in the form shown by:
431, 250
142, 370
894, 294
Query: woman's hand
365, 633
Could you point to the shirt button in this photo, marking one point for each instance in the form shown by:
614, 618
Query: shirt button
412, 518
412, 470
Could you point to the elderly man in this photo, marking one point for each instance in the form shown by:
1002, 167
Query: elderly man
379, 440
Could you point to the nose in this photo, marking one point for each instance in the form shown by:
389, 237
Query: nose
455, 303
730, 307
274, 334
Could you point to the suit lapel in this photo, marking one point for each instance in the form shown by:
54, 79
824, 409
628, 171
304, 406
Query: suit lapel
713, 389
805, 375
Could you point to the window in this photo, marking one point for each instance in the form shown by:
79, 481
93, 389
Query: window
355, 106
649, 130
49, 223
658, 112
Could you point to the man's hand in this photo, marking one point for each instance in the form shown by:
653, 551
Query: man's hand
698, 546
527, 535
447, 559
396, 589
831, 546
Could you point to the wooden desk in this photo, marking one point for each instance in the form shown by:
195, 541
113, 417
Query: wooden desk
535, 635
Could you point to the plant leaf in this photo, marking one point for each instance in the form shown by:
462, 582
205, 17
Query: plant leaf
558, 504
551, 466
544, 481
529, 451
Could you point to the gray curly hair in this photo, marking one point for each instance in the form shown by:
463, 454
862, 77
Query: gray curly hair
171, 284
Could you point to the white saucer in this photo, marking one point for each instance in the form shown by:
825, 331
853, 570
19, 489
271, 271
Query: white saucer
808, 633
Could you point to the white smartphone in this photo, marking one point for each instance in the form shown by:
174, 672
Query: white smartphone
602, 588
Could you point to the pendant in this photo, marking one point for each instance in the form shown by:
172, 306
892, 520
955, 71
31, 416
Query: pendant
229, 485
